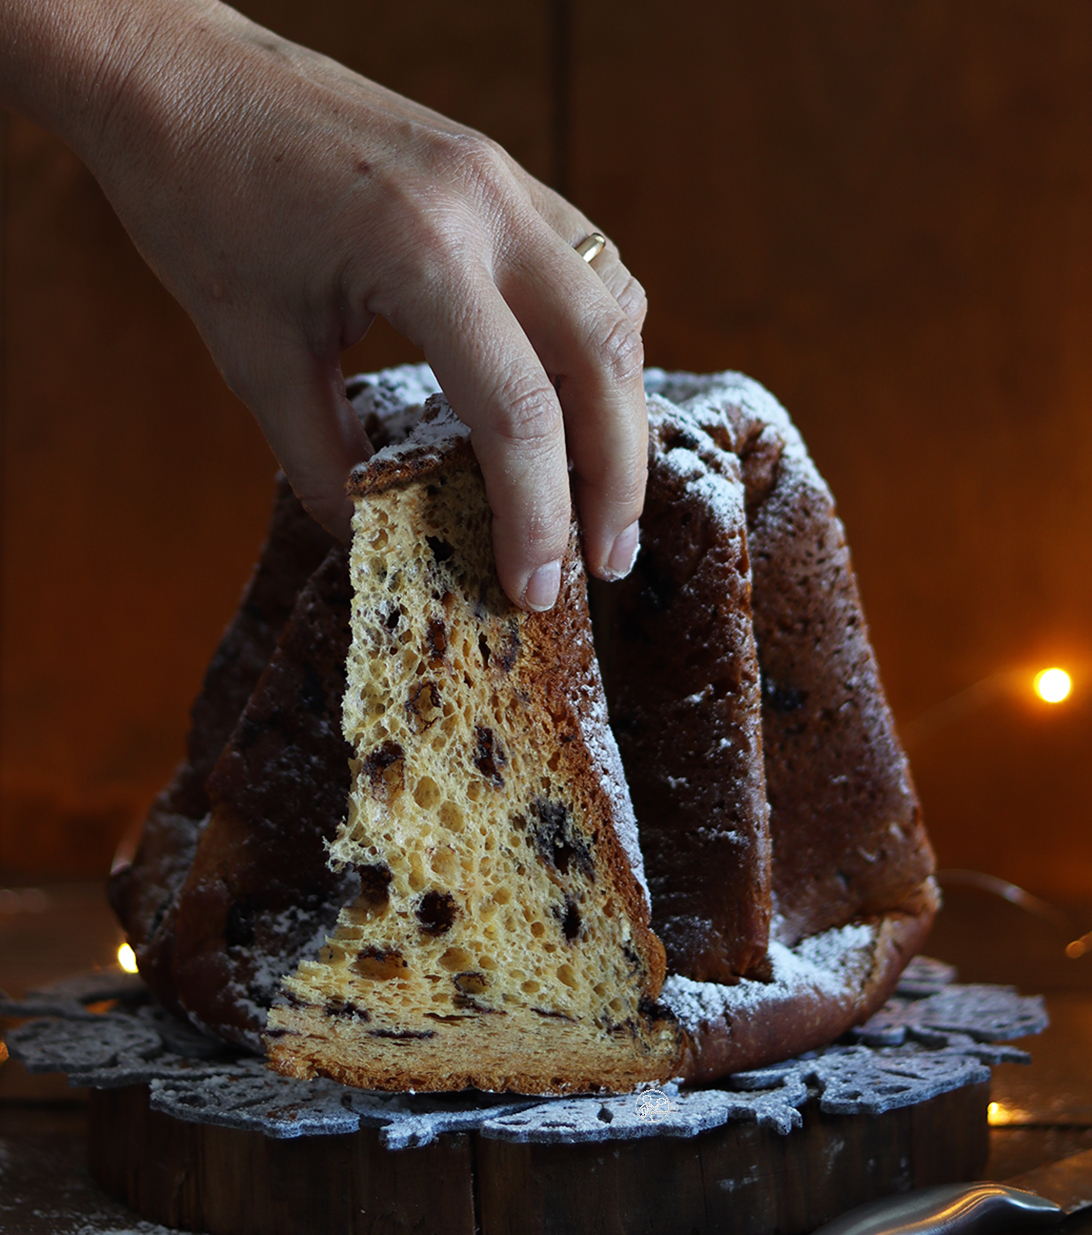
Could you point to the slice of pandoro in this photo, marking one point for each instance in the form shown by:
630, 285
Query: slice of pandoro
501, 939
683, 686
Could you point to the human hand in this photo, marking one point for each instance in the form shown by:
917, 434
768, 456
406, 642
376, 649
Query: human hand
286, 201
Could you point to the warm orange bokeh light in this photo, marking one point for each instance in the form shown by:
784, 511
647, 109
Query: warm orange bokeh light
1053, 685
126, 958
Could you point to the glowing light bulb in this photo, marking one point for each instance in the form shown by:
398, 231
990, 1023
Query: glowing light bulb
127, 958
1053, 685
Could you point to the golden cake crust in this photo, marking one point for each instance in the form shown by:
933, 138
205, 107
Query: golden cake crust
683, 688
845, 825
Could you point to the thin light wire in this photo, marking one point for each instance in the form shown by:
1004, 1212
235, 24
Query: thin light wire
1023, 899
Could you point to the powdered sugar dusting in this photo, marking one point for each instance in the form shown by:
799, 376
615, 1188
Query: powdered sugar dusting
703, 398
429, 437
833, 964
603, 749
396, 397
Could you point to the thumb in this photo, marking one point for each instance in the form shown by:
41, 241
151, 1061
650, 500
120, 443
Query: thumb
300, 403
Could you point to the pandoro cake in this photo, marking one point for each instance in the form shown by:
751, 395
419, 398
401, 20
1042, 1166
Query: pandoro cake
443, 887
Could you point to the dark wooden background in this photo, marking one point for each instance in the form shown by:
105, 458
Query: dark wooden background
881, 211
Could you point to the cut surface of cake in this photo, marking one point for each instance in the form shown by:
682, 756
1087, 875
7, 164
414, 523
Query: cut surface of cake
500, 939
147, 891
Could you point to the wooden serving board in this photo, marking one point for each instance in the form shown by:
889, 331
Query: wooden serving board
740, 1178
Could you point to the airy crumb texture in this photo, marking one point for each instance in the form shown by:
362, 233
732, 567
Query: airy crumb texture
501, 937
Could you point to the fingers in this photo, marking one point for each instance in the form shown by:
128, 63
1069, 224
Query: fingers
539, 358
299, 401
497, 385
572, 227
593, 350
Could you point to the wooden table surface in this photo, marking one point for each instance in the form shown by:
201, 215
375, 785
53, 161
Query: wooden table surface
1042, 1112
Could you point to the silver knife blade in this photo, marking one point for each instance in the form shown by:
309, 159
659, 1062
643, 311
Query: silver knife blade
1037, 1198
1067, 1183
948, 1209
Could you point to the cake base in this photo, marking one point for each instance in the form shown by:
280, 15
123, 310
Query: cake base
741, 1177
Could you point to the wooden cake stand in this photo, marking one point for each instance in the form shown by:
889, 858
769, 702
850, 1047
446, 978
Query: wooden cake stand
740, 1178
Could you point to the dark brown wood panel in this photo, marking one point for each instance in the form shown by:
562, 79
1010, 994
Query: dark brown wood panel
135, 488
881, 211
134, 495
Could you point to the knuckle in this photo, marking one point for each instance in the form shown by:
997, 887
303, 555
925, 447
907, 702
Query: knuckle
633, 300
483, 157
621, 350
527, 416
487, 175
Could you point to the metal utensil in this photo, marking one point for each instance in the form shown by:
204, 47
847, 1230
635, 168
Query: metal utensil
1038, 1198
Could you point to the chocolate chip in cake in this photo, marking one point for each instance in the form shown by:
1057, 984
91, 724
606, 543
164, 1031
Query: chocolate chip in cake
557, 841
375, 883
348, 1010
489, 756
569, 917
561, 1016
405, 1034
508, 655
436, 912
437, 641
384, 768
423, 707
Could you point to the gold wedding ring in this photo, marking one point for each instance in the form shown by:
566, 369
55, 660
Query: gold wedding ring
591, 246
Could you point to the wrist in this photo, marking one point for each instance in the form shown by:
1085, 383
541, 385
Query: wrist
98, 72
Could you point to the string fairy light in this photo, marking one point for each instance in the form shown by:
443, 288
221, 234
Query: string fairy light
127, 958
1053, 685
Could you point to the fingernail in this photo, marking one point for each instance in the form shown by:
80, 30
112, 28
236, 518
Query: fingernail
543, 587
624, 553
